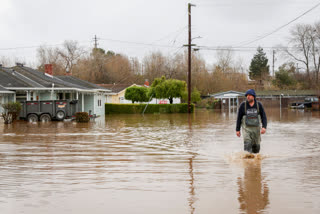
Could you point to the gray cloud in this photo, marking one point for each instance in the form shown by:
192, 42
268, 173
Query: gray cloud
219, 22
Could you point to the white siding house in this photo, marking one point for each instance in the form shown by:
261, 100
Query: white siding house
24, 84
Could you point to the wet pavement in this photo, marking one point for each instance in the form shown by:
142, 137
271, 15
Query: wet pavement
160, 163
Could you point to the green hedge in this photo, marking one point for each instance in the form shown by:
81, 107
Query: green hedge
152, 108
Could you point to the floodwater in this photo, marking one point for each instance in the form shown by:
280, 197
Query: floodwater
160, 163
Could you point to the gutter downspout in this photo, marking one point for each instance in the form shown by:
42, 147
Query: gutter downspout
82, 102
52, 91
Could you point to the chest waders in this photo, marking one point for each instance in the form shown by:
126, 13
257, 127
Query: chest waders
250, 124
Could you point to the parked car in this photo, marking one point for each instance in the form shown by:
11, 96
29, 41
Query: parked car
306, 104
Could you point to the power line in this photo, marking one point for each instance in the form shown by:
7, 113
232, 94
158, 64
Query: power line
29, 47
176, 51
231, 4
277, 29
38, 46
175, 33
95, 40
242, 49
137, 43
248, 47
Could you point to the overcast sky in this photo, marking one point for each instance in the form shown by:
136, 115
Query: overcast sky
162, 23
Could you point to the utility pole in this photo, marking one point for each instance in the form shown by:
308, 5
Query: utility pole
95, 41
273, 52
142, 68
189, 57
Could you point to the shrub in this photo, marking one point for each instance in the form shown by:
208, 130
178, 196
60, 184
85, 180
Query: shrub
82, 117
11, 111
7, 117
152, 108
209, 103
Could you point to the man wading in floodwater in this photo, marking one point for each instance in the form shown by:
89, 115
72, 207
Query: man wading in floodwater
250, 116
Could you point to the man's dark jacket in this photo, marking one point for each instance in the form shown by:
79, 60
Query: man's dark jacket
242, 112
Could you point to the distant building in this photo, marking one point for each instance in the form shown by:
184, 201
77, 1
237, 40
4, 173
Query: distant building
229, 99
117, 91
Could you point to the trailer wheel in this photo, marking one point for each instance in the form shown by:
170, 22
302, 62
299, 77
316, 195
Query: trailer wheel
60, 115
32, 118
45, 118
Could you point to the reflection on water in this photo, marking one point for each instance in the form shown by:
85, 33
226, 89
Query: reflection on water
192, 197
253, 189
162, 163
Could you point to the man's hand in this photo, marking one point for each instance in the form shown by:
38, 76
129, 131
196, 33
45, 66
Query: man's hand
238, 134
263, 130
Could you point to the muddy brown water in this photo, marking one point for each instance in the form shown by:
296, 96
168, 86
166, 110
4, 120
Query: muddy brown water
161, 163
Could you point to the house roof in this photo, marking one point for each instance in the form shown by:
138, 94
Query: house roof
116, 88
79, 82
47, 81
20, 77
10, 78
41, 78
228, 94
267, 93
288, 93
5, 91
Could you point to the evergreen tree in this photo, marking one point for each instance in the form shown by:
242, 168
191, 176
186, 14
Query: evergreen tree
259, 68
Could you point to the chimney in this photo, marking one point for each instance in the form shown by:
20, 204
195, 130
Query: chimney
19, 64
146, 83
68, 72
48, 69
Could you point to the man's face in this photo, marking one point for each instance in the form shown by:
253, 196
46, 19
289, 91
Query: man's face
250, 98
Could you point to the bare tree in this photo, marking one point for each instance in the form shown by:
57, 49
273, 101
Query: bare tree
154, 65
5, 61
48, 55
119, 70
70, 54
224, 59
301, 45
315, 38
108, 67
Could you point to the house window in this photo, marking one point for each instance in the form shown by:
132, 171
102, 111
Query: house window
59, 96
99, 97
21, 97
